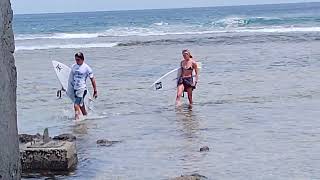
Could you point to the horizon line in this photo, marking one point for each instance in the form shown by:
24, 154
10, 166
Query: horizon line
119, 10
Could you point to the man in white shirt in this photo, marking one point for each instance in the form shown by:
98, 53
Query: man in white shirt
81, 71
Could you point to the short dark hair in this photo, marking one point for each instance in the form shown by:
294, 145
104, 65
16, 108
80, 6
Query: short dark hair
79, 55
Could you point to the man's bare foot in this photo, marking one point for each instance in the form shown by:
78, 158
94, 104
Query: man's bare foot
78, 115
178, 103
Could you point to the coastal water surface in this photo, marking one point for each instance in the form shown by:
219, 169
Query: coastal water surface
256, 105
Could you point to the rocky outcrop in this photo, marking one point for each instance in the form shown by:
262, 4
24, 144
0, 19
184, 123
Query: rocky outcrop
9, 147
52, 156
25, 138
42, 153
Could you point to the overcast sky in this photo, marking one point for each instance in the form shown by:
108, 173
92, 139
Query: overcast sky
46, 6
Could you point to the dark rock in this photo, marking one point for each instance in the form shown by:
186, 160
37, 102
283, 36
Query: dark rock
41, 153
52, 156
204, 149
65, 137
46, 137
191, 177
199, 176
25, 138
105, 142
102, 141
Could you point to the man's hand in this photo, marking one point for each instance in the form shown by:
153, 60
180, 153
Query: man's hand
95, 94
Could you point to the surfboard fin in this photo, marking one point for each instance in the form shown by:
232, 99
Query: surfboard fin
59, 92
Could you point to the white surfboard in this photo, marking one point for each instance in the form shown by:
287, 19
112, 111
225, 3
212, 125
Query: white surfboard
64, 76
169, 80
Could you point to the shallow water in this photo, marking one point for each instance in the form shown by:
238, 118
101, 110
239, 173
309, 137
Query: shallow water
256, 107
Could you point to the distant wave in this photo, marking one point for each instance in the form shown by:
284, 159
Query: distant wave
253, 36
67, 46
227, 39
152, 32
245, 21
165, 27
124, 32
230, 22
109, 33
57, 36
161, 23
281, 30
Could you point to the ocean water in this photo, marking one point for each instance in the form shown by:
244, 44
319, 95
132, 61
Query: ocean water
256, 105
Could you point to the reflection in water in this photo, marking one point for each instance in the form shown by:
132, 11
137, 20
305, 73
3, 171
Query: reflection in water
80, 128
190, 125
189, 121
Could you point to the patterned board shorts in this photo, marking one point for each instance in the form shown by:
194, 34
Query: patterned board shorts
79, 96
187, 82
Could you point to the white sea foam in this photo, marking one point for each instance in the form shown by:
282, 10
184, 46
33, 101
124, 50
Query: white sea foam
124, 32
66, 46
281, 30
57, 36
161, 23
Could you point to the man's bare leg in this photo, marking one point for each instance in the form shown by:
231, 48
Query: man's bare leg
77, 111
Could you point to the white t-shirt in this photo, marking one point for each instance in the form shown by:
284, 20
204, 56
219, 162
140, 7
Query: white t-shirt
80, 74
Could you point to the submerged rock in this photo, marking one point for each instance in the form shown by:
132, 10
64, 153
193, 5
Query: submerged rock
105, 142
65, 137
204, 149
191, 177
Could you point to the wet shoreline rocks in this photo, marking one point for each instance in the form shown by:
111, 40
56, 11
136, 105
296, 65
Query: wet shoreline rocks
25, 138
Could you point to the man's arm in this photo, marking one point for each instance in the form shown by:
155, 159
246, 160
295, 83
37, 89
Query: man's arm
93, 82
94, 85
